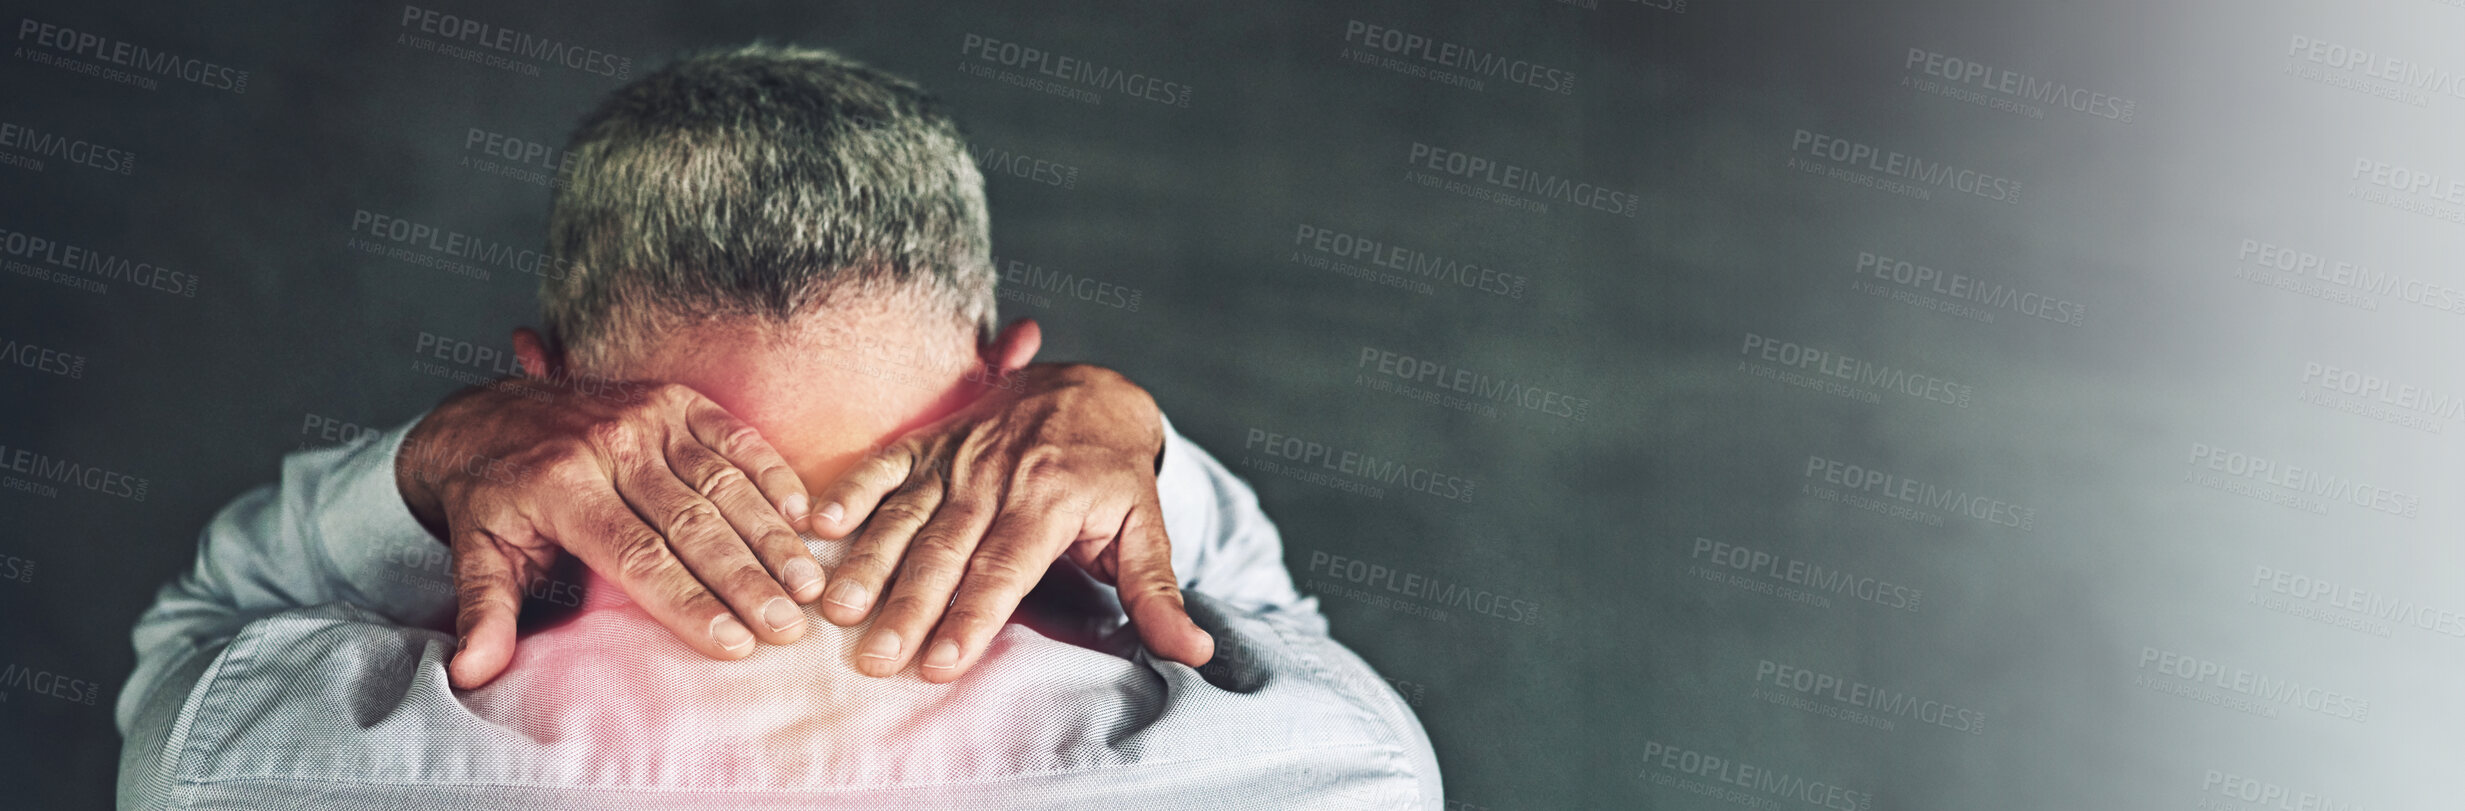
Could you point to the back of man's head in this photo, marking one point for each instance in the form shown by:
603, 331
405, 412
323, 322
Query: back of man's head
759, 183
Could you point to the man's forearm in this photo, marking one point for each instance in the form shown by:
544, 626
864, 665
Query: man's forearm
333, 529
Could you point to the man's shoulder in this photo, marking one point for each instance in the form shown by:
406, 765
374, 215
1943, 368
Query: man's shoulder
336, 699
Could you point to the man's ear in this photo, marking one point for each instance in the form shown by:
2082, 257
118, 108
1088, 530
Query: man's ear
538, 361
1014, 348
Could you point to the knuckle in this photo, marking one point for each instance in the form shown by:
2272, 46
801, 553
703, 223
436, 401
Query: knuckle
1159, 590
1057, 486
864, 567
967, 621
716, 476
686, 593
772, 536
644, 558
469, 617
670, 395
740, 439
958, 524
935, 459
695, 518
942, 547
962, 512
997, 565
1043, 464
560, 458
781, 542
932, 564
905, 447
900, 513
476, 595
749, 580
908, 606
878, 470
494, 513
613, 435
577, 480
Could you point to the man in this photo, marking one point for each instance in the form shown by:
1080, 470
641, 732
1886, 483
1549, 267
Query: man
789, 251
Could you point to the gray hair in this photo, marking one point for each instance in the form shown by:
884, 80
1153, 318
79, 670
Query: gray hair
759, 181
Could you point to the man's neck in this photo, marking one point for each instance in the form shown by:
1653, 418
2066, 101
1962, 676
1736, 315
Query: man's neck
828, 387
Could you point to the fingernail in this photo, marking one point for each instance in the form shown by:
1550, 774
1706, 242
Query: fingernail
831, 513
795, 507
945, 653
731, 634
803, 576
883, 644
847, 594
781, 613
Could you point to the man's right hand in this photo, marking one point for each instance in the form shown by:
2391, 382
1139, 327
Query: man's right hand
659, 490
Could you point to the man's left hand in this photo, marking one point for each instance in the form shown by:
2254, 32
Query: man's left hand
1058, 459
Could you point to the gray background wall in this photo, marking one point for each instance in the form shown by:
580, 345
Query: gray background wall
1595, 525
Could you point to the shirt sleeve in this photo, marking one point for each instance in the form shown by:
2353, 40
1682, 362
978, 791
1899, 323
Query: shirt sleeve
334, 529
1223, 545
